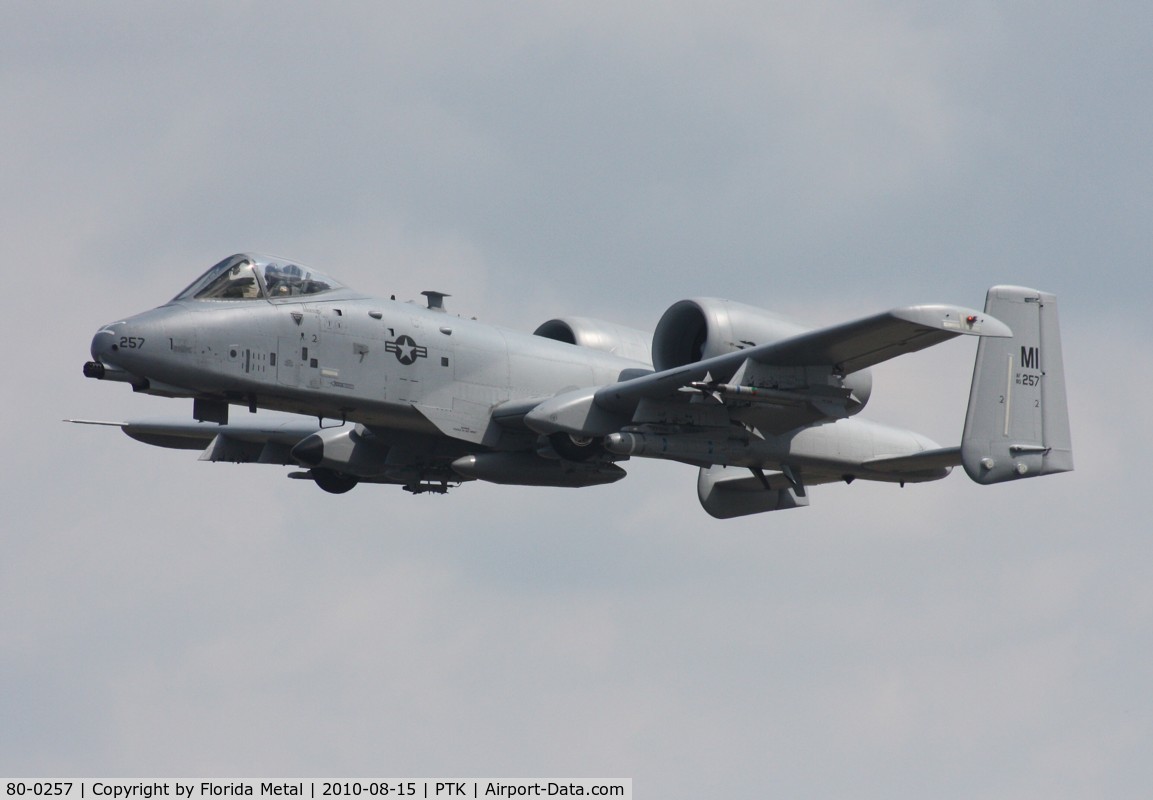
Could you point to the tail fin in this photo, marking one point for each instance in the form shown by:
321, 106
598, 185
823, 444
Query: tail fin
1017, 425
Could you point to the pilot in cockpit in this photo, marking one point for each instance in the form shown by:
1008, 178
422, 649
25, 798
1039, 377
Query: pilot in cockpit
244, 277
237, 283
282, 281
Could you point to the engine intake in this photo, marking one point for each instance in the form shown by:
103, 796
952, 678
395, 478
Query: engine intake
693, 330
701, 328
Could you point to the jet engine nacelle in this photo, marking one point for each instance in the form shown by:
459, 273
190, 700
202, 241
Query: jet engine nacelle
703, 327
599, 335
700, 328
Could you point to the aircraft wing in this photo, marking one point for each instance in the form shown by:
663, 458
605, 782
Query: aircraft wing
842, 349
846, 348
267, 439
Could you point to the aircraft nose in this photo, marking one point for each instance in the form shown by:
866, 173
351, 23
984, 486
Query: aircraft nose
103, 344
107, 360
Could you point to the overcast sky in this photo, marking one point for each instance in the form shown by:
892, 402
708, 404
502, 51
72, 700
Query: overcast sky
162, 617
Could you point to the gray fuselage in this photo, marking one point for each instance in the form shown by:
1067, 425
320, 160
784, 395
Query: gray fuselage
348, 356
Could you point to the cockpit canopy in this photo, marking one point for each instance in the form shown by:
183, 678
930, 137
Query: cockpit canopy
254, 277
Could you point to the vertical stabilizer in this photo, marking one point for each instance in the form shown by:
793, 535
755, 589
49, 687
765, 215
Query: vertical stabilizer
1017, 425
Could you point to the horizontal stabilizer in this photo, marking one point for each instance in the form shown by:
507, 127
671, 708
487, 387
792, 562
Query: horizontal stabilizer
926, 465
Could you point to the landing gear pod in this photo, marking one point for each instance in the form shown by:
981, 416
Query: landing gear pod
727, 492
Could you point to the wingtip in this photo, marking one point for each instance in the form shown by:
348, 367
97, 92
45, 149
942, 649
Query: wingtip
954, 319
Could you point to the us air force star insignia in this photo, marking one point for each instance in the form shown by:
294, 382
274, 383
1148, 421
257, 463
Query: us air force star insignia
406, 350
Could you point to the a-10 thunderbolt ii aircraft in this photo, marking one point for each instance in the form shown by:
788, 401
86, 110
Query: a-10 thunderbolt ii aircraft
390, 392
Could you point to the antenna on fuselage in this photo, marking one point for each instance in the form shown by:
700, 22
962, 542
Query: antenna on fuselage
436, 300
